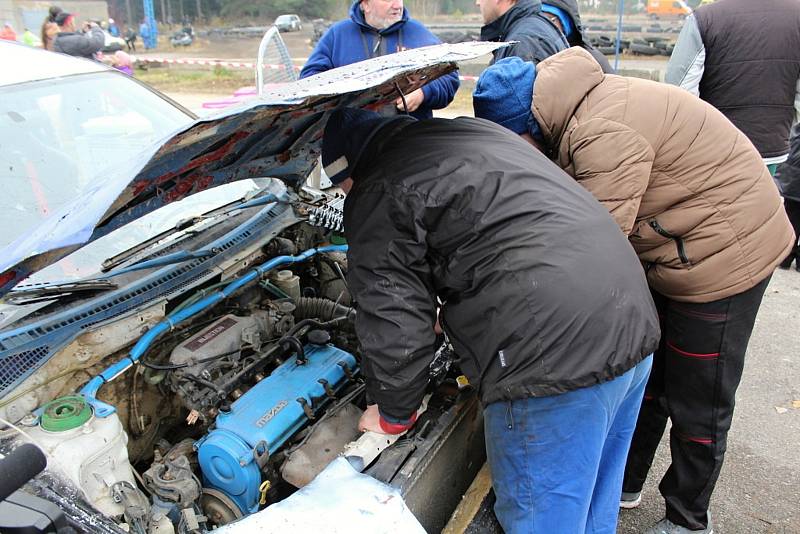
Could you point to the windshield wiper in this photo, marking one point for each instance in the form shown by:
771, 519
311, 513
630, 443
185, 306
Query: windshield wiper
169, 259
185, 224
35, 293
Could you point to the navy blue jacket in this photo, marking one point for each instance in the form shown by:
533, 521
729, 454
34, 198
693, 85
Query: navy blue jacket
353, 40
537, 38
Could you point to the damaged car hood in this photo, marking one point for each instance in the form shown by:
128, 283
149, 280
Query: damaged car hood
276, 135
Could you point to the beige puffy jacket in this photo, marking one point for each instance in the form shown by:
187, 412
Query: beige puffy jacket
689, 189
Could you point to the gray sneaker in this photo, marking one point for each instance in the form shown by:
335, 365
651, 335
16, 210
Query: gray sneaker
665, 526
630, 499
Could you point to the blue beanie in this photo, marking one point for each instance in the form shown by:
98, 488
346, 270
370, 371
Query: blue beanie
504, 94
563, 16
347, 134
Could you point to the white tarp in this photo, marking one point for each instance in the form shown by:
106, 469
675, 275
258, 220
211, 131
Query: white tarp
338, 500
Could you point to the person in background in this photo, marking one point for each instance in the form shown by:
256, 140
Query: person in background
113, 29
565, 15
522, 21
788, 180
8, 33
144, 32
81, 44
30, 39
743, 58
376, 28
50, 28
130, 39
707, 224
462, 211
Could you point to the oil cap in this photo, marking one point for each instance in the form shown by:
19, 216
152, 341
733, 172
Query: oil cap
65, 413
319, 337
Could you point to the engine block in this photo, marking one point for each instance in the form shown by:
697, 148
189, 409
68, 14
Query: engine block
265, 417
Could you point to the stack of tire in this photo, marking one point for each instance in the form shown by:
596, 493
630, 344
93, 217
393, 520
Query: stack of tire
608, 46
647, 46
651, 46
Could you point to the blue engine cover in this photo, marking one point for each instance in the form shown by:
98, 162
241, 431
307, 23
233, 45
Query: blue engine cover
264, 418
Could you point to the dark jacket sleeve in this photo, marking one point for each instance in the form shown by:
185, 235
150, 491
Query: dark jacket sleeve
83, 44
441, 91
537, 40
390, 279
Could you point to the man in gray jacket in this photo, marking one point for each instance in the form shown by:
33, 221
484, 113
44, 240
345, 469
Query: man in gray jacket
73, 43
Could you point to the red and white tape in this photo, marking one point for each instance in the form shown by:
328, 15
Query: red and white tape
235, 64
208, 62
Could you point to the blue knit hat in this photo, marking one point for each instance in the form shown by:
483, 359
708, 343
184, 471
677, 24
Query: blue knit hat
504, 94
563, 16
347, 134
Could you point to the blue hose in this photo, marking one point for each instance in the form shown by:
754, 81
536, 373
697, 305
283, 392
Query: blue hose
91, 389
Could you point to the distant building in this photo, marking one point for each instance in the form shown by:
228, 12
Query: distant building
30, 13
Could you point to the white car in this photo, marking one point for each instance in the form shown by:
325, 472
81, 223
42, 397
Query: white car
288, 23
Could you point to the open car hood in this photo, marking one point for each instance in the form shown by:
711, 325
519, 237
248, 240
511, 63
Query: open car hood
277, 135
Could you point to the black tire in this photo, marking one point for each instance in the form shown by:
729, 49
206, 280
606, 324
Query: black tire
643, 50
607, 50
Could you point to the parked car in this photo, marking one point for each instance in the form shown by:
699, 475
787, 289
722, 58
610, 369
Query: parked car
288, 23
182, 37
175, 330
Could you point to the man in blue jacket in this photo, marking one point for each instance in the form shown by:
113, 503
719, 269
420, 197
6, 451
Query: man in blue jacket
376, 28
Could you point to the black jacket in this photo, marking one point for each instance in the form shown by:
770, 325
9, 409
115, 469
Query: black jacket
752, 67
788, 175
538, 38
80, 44
579, 37
542, 293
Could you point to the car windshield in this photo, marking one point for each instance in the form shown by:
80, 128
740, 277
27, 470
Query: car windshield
283, 19
87, 262
58, 136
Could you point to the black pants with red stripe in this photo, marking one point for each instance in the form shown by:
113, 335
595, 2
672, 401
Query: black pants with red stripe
696, 371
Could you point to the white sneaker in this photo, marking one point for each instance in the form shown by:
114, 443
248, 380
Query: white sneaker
630, 499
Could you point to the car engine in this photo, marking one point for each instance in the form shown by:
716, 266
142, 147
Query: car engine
232, 409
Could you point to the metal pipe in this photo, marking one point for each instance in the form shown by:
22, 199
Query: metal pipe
619, 35
91, 389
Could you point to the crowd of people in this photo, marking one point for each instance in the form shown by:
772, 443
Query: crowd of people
595, 247
60, 33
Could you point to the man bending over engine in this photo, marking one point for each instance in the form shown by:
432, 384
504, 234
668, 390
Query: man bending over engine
544, 300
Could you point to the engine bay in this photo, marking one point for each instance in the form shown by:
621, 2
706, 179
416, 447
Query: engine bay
237, 398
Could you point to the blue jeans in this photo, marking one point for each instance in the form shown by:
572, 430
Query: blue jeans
557, 462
